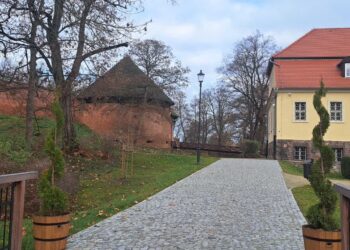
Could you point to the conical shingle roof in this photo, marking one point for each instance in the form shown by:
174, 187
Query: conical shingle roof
125, 82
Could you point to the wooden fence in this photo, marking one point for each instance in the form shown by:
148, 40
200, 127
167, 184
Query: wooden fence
345, 213
12, 190
229, 151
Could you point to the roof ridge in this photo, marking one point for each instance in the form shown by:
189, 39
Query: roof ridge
125, 79
294, 43
335, 28
310, 35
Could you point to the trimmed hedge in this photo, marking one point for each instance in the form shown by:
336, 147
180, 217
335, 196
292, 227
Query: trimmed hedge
250, 148
345, 167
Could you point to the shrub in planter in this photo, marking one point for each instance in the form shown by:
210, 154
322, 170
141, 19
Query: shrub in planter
321, 216
345, 167
250, 148
51, 227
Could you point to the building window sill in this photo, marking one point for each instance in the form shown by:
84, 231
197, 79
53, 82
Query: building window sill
296, 121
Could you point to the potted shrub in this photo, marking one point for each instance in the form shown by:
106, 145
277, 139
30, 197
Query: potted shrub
51, 226
322, 231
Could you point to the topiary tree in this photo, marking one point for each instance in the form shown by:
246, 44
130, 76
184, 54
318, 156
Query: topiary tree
321, 215
53, 200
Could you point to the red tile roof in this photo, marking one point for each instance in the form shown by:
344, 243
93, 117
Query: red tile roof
304, 74
332, 42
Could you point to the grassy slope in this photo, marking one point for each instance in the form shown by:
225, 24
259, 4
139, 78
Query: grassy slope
12, 139
101, 192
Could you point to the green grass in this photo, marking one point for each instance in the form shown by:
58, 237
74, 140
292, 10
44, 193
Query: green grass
306, 197
290, 168
12, 143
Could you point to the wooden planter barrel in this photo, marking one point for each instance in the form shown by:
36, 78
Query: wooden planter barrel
321, 239
51, 232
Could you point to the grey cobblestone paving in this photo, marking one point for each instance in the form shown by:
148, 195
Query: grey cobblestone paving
232, 204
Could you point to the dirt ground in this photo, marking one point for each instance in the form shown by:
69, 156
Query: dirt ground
70, 185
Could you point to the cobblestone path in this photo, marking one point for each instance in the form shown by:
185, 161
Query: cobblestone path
232, 204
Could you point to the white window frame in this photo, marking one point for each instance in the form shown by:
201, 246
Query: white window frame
341, 150
347, 70
298, 153
299, 112
336, 111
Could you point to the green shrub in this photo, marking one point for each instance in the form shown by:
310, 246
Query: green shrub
53, 200
250, 148
20, 156
321, 215
14, 150
345, 167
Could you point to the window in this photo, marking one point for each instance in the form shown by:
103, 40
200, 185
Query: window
338, 153
347, 69
300, 153
336, 111
300, 111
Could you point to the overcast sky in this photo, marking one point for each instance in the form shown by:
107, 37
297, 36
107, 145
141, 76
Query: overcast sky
202, 32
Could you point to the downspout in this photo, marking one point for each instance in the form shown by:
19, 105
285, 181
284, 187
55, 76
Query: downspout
275, 123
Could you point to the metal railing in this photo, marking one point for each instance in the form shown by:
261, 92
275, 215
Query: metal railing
6, 208
12, 190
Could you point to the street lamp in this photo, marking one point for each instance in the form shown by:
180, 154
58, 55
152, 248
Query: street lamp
200, 80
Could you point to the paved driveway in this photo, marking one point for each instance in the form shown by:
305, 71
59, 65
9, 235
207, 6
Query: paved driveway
232, 204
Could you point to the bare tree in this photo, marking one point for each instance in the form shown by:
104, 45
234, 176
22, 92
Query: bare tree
74, 36
206, 120
217, 117
183, 112
245, 72
221, 111
158, 62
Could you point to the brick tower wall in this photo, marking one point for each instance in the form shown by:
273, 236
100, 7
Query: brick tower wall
146, 125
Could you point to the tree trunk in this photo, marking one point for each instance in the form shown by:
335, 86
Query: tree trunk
219, 139
30, 102
69, 135
30, 109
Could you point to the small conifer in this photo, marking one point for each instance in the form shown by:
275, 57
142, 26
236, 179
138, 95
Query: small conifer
53, 200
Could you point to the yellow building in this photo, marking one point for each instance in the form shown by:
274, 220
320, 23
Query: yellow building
294, 75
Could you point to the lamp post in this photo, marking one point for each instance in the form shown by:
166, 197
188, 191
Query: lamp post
200, 80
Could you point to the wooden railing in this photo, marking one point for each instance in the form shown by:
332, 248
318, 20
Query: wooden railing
345, 213
12, 190
207, 147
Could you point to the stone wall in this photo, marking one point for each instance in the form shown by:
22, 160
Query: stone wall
285, 148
